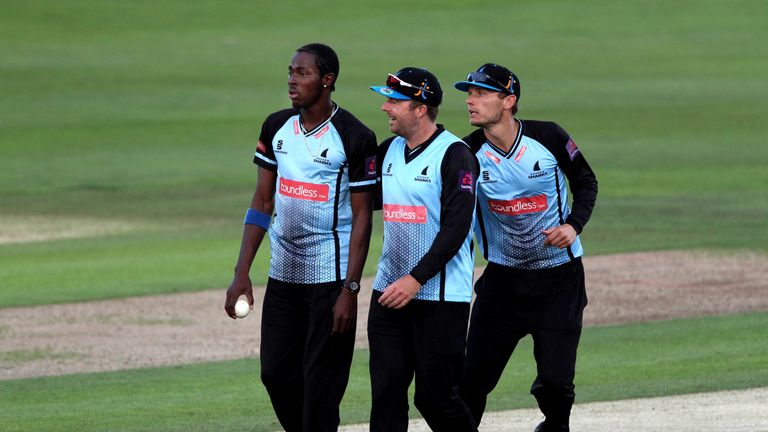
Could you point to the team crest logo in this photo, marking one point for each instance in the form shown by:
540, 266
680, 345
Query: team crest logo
537, 171
423, 177
323, 158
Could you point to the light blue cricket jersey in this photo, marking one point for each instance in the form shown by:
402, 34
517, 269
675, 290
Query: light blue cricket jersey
316, 170
411, 210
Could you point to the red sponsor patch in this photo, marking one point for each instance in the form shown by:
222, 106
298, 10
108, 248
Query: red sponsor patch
519, 206
492, 157
261, 148
520, 153
405, 214
571, 148
296, 127
305, 191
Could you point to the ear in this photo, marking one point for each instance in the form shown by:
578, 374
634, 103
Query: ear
509, 102
327, 79
421, 110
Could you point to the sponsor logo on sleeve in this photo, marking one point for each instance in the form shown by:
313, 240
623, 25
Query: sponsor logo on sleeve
518, 206
572, 149
261, 148
370, 167
303, 190
405, 214
466, 181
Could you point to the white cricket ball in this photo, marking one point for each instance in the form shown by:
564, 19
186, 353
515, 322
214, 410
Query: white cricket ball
242, 308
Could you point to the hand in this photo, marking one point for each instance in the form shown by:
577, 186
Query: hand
400, 292
239, 286
344, 312
560, 236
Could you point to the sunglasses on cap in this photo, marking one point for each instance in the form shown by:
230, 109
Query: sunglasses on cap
395, 83
484, 78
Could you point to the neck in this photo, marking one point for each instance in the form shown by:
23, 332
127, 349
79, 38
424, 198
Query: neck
420, 134
316, 114
503, 134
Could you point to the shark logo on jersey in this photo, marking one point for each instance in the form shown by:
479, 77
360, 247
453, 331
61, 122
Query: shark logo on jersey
423, 177
323, 158
537, 171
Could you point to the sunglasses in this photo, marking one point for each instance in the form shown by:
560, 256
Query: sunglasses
483, 78
396, 83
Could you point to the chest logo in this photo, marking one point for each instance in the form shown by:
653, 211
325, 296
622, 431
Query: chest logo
423, 177
518, 206
405, 214
323, 158
537, 171
303, 190
279, 147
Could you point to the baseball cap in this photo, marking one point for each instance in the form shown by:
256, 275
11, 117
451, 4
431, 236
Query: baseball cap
493, 77
414, 84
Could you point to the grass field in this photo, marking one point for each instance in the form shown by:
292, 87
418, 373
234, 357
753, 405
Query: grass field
127, 131
145, 115
616, 362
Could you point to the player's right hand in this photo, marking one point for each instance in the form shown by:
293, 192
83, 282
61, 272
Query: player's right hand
239, 286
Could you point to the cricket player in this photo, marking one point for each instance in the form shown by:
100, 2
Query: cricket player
420, 302
534, 281
317, 170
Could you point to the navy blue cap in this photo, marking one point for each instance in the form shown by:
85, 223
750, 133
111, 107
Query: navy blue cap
492, 77
414, 84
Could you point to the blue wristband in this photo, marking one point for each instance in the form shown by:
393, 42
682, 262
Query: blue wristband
255, 217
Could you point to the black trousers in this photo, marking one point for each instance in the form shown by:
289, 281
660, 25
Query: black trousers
425, 339
303, 367
510, 304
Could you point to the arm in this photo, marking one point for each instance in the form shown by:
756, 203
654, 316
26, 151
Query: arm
345, 310
264, 201
459, 171
583, 185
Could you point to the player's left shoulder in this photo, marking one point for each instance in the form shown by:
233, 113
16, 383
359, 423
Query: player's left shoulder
346, 121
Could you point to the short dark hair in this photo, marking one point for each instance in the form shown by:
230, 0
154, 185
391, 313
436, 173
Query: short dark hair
325, 58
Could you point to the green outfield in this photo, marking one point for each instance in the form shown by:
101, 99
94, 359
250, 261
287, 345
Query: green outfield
127, 131
145, 116
661, 358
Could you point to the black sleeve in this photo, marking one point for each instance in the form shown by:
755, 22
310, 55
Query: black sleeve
265, 154
475, 140
581, 179
360, 148
459, 173
381, 151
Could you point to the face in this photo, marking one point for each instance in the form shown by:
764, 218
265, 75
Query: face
485, 106
402, 116
305, 84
